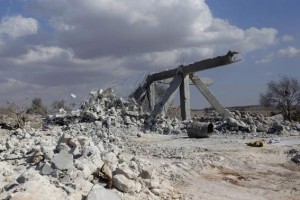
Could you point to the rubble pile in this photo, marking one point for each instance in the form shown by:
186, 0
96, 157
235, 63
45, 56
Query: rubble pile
109, 110
81, 160
244, 122
87, 155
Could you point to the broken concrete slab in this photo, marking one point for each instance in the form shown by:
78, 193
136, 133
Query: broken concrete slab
63, 160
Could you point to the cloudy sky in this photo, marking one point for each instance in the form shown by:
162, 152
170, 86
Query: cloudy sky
53, 48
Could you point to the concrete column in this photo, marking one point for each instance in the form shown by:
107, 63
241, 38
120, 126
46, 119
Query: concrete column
151, 96
209, 96
185, 104
162, 107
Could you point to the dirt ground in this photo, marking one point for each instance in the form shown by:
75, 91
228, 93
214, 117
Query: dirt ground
223, 167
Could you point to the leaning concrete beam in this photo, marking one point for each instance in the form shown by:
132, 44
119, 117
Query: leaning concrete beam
185, 98
205, 80
197, 66
162, 107
209, 96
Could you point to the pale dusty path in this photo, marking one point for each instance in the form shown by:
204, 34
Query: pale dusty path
223, 168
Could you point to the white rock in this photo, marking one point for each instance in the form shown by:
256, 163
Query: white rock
100, 147
127, 171
48, 152
151, 183
91, 151
86, 166
124, 184
157, 191
83, 185
102, 194
111, 159
29, 175
37, 190
123, 157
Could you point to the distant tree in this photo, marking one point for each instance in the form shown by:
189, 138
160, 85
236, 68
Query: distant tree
60, 104
284, 93
37, 107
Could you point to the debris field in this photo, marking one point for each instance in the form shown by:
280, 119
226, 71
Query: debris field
112, 149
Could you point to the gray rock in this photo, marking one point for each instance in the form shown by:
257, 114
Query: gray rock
63, 160
278, 127
127, 120
102, 194
261, 128
10, 186
65, 138
62, 146
297, 126
124, 184
9, 145
292, 151
146, 174
46, 170
296, 159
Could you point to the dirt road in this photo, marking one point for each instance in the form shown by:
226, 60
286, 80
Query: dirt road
223, 167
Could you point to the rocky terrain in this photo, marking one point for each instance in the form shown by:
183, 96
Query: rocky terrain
111, 149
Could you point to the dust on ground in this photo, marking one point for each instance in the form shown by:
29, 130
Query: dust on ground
223, 167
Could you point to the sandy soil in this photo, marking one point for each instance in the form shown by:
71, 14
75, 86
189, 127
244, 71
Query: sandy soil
223, 167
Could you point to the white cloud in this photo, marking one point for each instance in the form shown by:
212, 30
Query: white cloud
42, 54
286, 52
268, 58
94, 42
289, 52
96, 28
11, 84
287, 38
259, 38
18, 26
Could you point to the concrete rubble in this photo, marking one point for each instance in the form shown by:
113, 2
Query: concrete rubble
83, 154
243, 122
